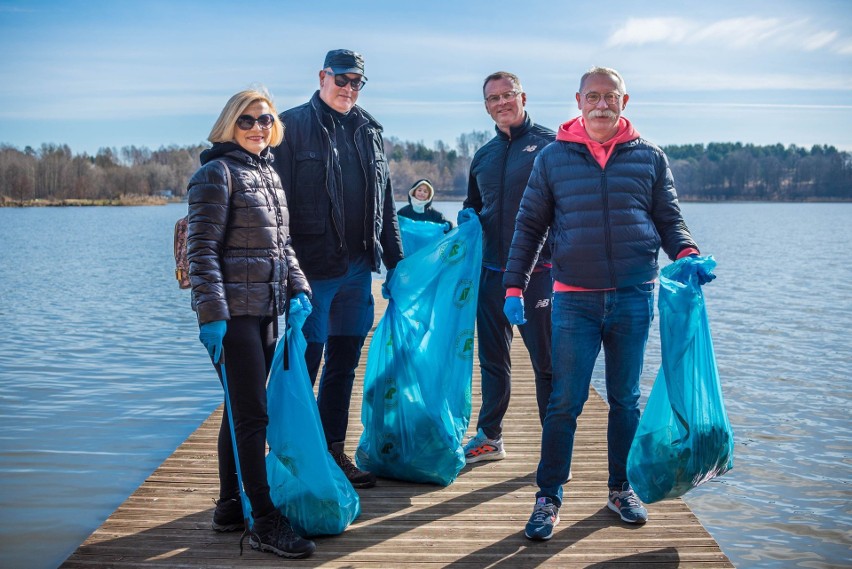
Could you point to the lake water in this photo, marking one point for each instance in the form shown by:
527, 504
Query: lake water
102, 375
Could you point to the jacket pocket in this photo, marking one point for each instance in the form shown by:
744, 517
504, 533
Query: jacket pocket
308, 199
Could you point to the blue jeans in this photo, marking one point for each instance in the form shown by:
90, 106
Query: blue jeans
619, 321
342, 315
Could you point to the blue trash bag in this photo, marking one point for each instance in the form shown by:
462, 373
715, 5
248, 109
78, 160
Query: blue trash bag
684, 437
417, 383
419, 234
304, 481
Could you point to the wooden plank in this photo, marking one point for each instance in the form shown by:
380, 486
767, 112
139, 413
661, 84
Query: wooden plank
475, 522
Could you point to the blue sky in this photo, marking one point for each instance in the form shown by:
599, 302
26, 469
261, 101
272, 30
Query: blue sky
92, 73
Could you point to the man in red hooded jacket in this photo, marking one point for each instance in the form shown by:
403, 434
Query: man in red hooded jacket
607, 198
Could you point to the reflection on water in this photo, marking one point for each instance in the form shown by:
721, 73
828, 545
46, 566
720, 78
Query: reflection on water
102, 376
780, 318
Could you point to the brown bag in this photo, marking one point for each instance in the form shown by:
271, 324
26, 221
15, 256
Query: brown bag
181, 228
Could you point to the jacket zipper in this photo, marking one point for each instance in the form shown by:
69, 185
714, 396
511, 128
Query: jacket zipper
502, 201
329, 171
365, 227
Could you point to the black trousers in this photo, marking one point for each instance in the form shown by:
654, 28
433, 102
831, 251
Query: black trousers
495, 342
249, 345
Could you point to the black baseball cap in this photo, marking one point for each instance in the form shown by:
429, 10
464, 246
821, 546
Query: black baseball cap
344, 61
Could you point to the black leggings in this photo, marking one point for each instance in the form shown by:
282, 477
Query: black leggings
249, 345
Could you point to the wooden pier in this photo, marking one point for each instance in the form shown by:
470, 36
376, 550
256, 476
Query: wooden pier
476, 522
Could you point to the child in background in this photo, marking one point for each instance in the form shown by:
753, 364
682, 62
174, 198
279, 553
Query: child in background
419, 206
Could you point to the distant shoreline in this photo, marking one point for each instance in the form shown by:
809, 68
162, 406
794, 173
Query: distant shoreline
119, 201
155, 200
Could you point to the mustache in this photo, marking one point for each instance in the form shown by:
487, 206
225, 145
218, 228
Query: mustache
603, 114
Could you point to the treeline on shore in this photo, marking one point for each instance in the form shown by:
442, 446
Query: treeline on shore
53, 175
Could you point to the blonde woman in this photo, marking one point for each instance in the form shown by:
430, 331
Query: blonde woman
243, 272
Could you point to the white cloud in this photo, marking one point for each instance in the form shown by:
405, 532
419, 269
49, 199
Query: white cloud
819, 40
737, 33
642, 31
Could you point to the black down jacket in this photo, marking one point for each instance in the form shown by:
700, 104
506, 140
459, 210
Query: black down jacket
241, 262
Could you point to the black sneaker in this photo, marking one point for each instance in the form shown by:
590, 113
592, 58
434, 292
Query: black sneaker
357, 477
273, 533
228, 515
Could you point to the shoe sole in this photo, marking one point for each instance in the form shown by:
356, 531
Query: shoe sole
486, 456
281, 552
615, 509
362, 485
538, 537
227, 527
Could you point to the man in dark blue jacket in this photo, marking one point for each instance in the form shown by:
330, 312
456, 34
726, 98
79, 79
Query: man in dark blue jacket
343, 224
607, 200
498, 176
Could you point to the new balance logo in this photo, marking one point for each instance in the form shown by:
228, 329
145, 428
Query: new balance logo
542, 303
531, 148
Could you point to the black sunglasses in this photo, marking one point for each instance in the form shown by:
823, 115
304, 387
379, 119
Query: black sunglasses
342, 80
246, 122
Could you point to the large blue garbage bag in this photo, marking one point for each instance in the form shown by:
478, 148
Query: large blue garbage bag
304, 481
418, 234
684, 437
417, 383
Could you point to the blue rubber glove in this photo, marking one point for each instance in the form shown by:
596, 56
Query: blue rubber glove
300, 309
386, 294
211, 335
303, 301
447, 227
513, 308
702, 272
467, 214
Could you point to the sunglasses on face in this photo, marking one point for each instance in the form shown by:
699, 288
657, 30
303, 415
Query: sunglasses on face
342, 80
246, 122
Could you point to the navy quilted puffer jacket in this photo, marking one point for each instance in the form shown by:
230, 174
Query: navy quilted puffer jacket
606, 225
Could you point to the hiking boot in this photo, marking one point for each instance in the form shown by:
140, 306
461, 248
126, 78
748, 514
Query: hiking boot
357, 477
481, 448
626, 504
273, 533
228, 515
544, 518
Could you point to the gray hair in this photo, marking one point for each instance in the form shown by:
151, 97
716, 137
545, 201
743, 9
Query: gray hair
619, 81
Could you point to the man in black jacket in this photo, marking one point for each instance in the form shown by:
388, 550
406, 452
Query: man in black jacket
498, 176
343, 226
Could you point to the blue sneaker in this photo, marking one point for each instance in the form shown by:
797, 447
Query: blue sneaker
626, 504
544, 518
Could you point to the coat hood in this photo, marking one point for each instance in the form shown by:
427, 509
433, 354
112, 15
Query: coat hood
428, 185
575, 131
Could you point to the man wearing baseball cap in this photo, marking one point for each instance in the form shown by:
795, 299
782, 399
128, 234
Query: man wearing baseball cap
343, 225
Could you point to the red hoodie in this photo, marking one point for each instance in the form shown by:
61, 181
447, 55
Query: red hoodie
575, 131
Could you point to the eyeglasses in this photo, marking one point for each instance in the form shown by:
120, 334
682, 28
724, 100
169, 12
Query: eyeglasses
594, 98
507, 96
246, 122
342, 80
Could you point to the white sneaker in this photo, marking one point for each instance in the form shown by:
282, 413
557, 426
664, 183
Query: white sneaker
481, 448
